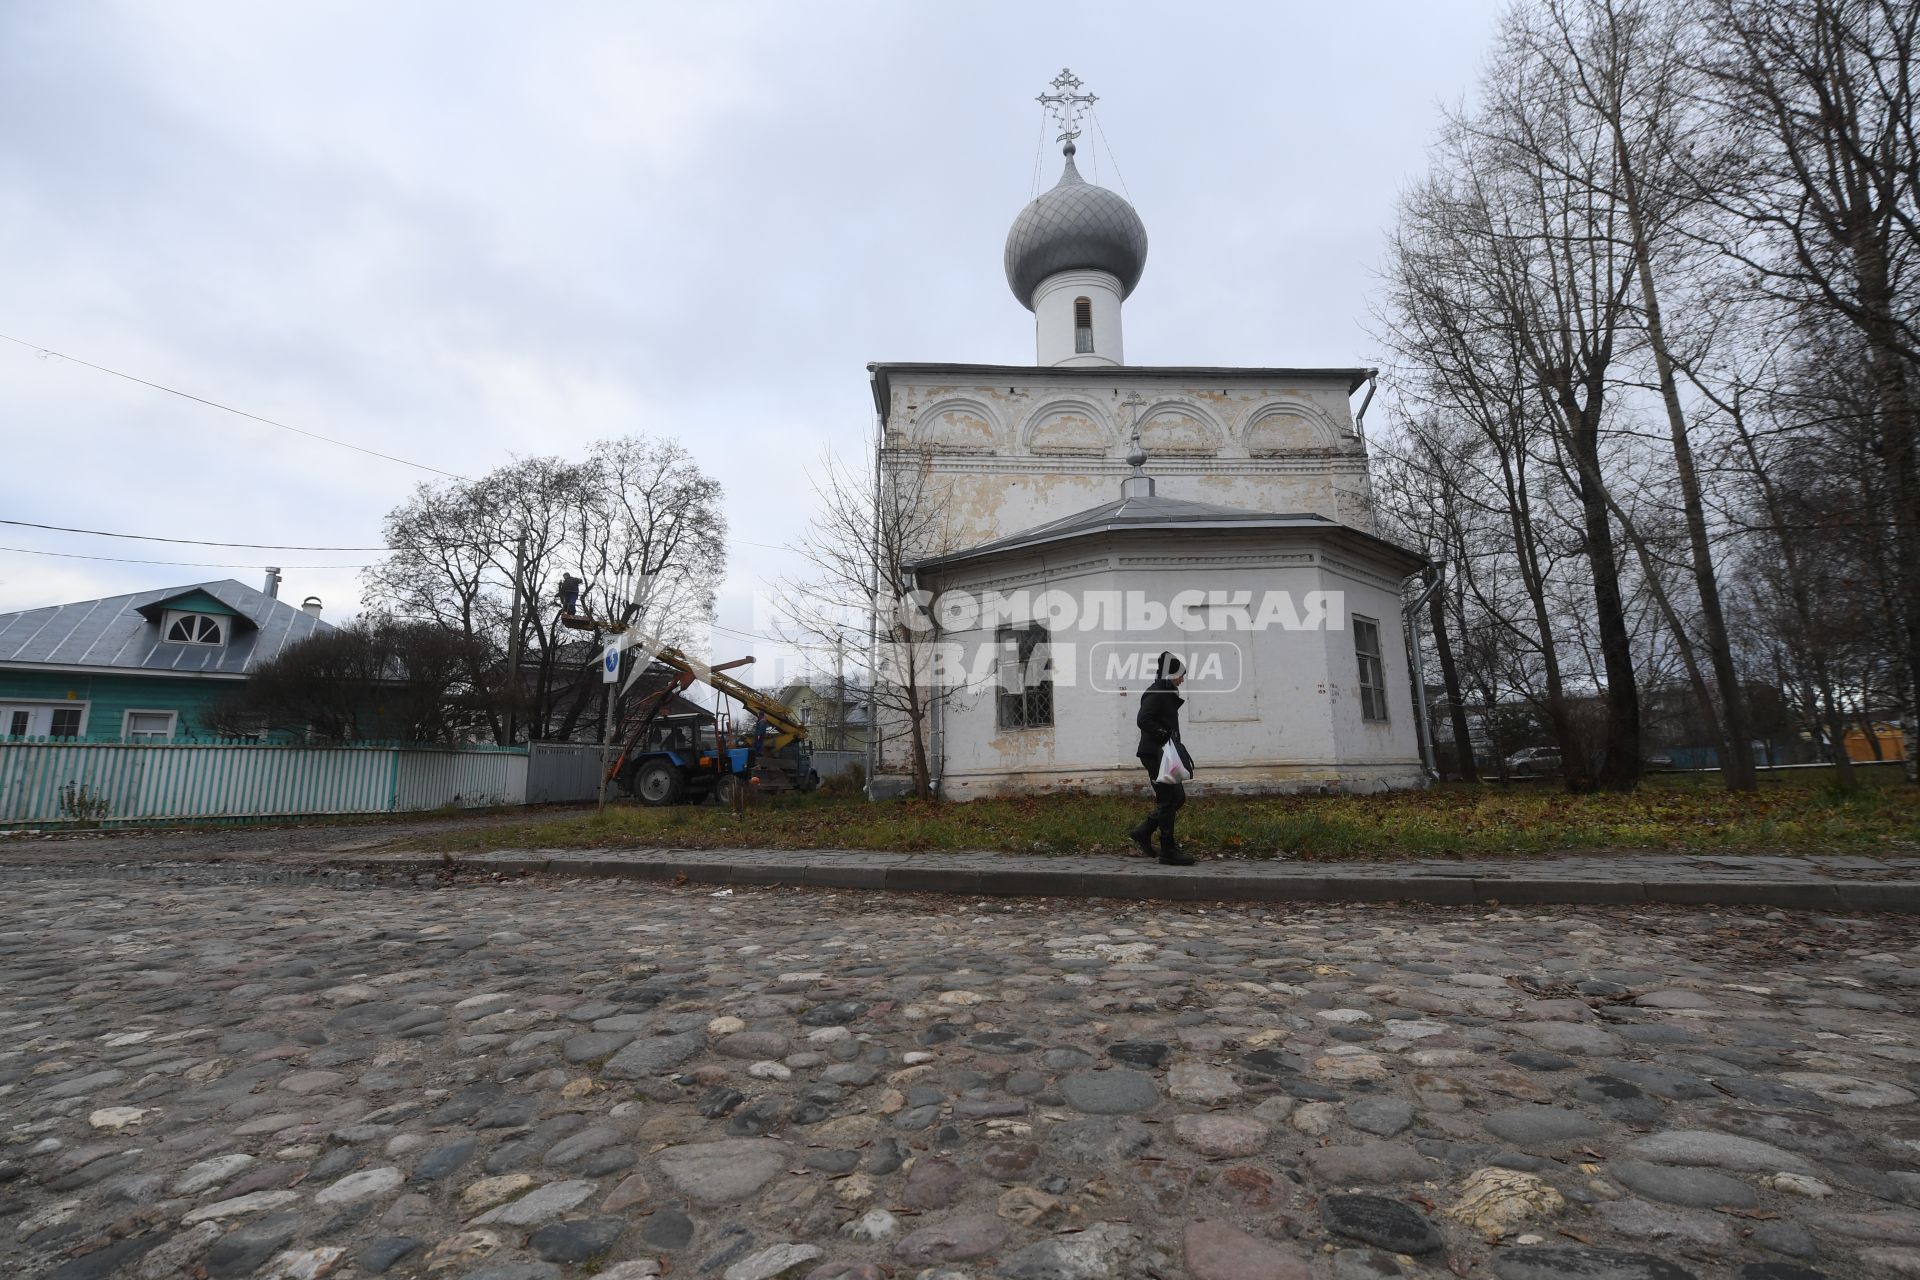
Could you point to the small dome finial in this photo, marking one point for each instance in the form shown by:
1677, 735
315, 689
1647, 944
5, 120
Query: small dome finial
1138, 483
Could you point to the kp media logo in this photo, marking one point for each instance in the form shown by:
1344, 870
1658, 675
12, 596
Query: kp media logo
1124, 666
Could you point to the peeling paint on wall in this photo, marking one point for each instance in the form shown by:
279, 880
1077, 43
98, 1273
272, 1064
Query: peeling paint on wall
1038, 447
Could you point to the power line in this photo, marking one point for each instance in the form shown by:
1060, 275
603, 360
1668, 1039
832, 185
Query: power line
186, 564
261, 546
744, 635
197, 542
45, 352
187, 395
773, 640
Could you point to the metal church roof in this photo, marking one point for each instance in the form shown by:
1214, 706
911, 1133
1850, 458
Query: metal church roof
1150, 512
122, 633
1075, 225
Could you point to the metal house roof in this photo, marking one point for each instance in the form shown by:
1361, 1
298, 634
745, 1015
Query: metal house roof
122, 633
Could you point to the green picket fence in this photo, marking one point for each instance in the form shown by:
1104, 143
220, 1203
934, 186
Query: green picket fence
54, 782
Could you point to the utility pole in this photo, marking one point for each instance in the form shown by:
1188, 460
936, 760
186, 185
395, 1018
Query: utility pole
839, 692
513, 640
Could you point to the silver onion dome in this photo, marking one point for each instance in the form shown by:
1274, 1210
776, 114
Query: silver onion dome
1075, 226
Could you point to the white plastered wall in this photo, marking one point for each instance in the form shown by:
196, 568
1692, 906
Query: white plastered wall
1293, 724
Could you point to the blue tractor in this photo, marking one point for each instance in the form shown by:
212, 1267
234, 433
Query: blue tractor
690, 756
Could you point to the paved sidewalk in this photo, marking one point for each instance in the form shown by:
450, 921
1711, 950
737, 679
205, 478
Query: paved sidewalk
1835, 883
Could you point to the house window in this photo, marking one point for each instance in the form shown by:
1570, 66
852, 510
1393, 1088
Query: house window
148, 726
1373, 679
1026, 677
1082, 326
57, 720
193, 628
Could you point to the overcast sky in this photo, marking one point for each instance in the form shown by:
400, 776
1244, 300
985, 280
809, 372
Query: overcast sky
460, 232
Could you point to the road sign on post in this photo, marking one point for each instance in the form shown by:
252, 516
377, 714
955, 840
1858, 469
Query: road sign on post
609, 676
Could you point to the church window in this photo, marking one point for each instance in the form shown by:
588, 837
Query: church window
1082, 326
1026, 677
1373, 676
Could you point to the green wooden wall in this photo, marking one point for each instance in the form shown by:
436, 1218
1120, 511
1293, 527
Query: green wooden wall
110, 696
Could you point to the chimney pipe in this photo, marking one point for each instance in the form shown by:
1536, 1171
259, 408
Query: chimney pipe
272, 587
311, 606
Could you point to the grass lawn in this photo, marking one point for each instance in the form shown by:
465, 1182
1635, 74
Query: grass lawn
1799, 812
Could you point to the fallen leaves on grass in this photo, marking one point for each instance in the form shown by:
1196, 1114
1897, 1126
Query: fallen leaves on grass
1667, 815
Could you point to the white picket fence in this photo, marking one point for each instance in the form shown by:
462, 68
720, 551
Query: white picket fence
43, 783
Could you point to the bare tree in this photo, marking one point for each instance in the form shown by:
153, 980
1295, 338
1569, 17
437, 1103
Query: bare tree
636, 511
1816, 101
373, 679
860, 597
1422, 509
1607, 248
1508, 288
1626, 64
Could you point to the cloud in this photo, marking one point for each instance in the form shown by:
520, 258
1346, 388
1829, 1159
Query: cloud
460, 232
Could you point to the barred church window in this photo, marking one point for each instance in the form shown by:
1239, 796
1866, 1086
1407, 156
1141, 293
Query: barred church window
1026, 677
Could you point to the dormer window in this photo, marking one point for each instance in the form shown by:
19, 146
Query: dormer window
180, 627
1082, 326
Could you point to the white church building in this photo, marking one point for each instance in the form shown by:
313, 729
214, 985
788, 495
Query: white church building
1095, 512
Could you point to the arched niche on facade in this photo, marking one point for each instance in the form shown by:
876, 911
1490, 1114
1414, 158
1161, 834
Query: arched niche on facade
1289, 426
957, 424
1068, 426
1179, 427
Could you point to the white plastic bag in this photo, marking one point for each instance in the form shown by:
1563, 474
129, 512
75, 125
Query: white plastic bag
1172, 767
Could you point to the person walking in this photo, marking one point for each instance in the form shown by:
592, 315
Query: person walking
1159, 723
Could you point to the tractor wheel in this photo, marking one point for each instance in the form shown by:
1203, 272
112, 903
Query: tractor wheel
659, 782
726, 791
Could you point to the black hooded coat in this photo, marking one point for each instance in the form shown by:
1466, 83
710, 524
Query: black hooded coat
1159, 716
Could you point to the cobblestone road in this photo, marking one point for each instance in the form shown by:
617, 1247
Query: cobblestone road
572, 1079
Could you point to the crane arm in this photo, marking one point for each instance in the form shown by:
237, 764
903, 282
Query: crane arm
786, 725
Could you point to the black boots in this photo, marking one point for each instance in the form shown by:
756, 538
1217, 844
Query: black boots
1170, 852
1161, 820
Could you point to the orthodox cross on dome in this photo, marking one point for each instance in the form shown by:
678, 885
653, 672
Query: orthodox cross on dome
1065, 104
